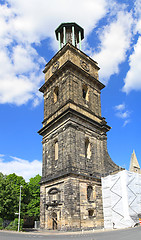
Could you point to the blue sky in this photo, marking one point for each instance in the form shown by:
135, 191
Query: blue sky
27, 42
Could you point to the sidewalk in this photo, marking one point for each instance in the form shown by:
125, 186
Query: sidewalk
55, 232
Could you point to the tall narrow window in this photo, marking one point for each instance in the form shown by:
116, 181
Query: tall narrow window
85, 92
90, 193
56, 150
87, 149
56, 94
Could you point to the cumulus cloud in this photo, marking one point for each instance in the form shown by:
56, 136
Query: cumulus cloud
24, 24
137, 8
20, 74
20, 167
133, 79
115, 41
37, 19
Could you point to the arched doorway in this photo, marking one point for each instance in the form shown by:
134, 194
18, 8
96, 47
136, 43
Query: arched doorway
54, 221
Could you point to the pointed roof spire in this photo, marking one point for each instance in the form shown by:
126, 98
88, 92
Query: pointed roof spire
134, 165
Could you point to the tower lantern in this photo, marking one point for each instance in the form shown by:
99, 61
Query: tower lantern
69, 32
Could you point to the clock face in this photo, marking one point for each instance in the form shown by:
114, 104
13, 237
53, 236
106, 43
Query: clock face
84, 65
55, 66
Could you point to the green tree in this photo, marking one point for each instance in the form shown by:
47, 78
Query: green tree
9, 195
33, 207
2, 194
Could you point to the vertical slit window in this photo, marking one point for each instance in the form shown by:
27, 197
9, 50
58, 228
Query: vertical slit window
56, 94
87, 149
56, 150
90, 193
85, 92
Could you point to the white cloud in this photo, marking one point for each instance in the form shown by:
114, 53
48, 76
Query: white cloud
37, 19
20, 75
120, 107
115, 41
123, 113
133, 79
23, 59
137, 8
26, 22
20, 167
126, 122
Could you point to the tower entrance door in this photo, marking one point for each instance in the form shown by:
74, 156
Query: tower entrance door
54, 221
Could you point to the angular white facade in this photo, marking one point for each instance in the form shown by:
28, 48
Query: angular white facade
121, 199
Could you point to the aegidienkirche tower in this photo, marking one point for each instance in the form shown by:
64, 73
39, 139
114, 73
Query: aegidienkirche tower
74, 135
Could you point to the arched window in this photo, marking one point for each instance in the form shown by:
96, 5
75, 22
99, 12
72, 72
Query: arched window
90, 193
56, 94
87, 148
56, 149
85, 92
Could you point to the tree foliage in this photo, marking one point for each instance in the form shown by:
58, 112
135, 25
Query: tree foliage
10, 192
33, 208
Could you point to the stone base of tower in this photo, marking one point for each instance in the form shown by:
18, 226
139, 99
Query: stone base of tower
71, 203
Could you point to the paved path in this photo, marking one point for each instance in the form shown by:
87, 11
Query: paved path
126, 234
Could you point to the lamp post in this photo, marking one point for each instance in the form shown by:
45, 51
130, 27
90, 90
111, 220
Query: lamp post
19, 209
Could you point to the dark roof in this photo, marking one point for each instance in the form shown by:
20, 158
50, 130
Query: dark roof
68, 25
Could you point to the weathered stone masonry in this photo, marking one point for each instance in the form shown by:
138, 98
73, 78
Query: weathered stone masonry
74, 141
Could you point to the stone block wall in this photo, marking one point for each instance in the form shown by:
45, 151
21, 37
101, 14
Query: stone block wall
71, 139
73, 208
78, 58
70, 86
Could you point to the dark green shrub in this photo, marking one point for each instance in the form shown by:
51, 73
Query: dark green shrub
14, 225
11, 226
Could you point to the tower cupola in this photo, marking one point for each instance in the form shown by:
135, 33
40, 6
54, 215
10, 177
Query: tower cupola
69, 32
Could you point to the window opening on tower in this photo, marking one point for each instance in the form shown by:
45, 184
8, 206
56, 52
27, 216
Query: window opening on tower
85, 92
56, 94
87, 149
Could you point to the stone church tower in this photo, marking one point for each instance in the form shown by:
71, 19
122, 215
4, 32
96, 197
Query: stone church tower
74, 135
